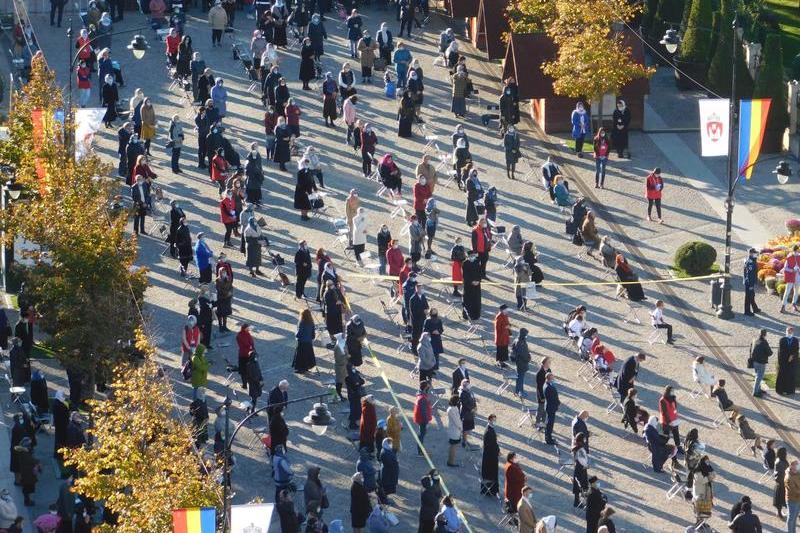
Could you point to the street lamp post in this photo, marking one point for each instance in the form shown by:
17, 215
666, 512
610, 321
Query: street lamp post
9, 190
138, 46
319, 418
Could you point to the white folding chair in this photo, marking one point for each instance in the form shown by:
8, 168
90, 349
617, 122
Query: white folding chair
657, 335
563, 464
399, 208
631, 316
506, 380
678, 487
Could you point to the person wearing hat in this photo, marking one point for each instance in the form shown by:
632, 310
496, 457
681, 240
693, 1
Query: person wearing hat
750, 280
653, 187
380, 434
502, 335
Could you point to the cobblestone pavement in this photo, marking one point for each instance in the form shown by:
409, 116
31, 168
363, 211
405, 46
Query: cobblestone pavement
691, 211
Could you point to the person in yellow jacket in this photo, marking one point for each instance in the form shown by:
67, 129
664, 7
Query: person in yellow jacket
394, 427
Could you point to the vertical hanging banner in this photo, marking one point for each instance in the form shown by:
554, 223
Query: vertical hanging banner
714, 126
254, 518
196, 520
37, 121
752, 123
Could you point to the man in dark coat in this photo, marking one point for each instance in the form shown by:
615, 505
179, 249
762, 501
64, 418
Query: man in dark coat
355, 334
750, 281
785, 380
65, 505
23, 330
595, 502
489, 467
430, 501
279, 395
418, 310
28, 469
18, 432
619, 133
255, 381
175, 215
760, 353
134, 149
551, 404
541, 377
123, 138
183, 245
579, 426
19, 363
459, 374
302, 268
471, 271
278, 430
60, 422
628, 374
75, 436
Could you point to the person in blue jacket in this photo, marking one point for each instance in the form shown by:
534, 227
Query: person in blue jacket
402, 59
202, 258
581, 127
390, 470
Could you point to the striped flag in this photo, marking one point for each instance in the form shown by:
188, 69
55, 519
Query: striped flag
196, 520
752, 122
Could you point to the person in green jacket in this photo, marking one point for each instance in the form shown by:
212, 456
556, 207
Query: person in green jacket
199, 368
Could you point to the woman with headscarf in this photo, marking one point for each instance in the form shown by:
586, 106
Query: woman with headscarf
426, 360
461, 153
390, 467
204, 84
474, 193
282, 97
292, 112
779, 476
416, 89
402, 59
660, 451
219, 95
366, 50
254, 175
451, 55
390, 175
581, 127
490, 485
305, 186
460, 91
148, 114
279, 15
333, 306
360, 507
110, 99
355, 337
340, 360
299, 18
318, 35
347, 82
60, 410
330, 91
307, 69
283, 134
257, 46
252, 239
630, 280
405, 116
702, 490
530, 257
509, 103
368, 142
304, 359
619, 133
385, 43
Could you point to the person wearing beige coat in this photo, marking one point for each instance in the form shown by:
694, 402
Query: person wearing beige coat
425, 168
218, 20
366, 51
394, 427
148, 124
525, 513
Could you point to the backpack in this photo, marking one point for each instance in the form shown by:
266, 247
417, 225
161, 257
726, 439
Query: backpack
390, 90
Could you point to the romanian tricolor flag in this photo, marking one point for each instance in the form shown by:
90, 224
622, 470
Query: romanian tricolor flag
752, 122
197, 520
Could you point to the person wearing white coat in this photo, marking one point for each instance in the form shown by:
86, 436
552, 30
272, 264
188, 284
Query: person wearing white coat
359, 234
701, 375
454, 430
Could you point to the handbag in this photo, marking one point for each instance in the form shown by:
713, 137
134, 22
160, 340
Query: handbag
577, 239
530, 291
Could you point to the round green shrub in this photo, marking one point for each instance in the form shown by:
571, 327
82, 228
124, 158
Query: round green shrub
695, 258
780, 288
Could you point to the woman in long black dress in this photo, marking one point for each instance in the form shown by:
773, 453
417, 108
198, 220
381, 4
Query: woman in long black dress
185, 52
305, 186
619, 133
405, 115
474, 193
785, 379
779, 494
307, 71
330, 91
283, 134
304, 359
110, 99
529, 256
626, 275
279, 15
333, 310
489, 468
471, 272
468, 408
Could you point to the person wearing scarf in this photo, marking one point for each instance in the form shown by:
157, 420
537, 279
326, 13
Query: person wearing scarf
581, 127
330, 91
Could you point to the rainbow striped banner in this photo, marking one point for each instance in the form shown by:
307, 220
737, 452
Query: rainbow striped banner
195, 520
752, 122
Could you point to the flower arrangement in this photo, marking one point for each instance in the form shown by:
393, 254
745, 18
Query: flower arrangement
765, 273
793, 225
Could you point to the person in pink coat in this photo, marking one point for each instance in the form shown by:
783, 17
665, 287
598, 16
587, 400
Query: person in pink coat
790, 269
653, 187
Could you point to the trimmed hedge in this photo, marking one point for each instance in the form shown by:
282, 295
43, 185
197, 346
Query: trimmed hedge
695, 258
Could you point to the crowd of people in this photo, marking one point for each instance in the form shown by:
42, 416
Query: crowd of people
378, 431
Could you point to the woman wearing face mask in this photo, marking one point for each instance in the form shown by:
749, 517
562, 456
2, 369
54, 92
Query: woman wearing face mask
474, 193
110, 99
282, 153
227, 216
402, 59
581, 127
390, 176
385, 43
405, 116
416, 89
368, 142
511, 147
317, 34
384, 239
84, 83
304, 187
307, 68
702, 491
254, 173
347, 82
602, 148
457, 256
330, 92
509, 103
422, 193
619, 133
175, 134
279, 15
282, 97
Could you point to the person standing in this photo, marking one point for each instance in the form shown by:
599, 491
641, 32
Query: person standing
468, 410
511, 147
627, 376
359, 235
490, 485
668, 415
595, 503
619, 134
482, 245
750, 279
302, 267
384, 240
514, 481
745, 521
83, 74
369, 421
418, 310
176, 142
460, 92
525, 512
579, 426
541, 379
148, 114
601, 148
57, 6
457, 257
140, 194
790, 270
354, 23
218, 20
760, 353
551, 404
581, 127
785, 380
471, 299
422, 412
653, 187
366, 50
304, 359
792, 483
454, 430
110, 96
779, 477
430, 500
502, 336
521, 355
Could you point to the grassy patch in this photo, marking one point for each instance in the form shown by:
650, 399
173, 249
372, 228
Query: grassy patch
588, 147
769, 380
789, 18
679, 273
42, 351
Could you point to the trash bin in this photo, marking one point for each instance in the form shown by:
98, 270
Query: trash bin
716, 293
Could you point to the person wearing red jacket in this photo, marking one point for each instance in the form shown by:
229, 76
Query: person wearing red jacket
247, 348
223, 265
395, 261
84, 84
502, 335
293, 114
790, 269
190, 338
227, 215
422, 192
173, 42
423, 414
482, 244
653, 187
668, 415
219, 169
514, 481
141, 168
369, 421
403, 274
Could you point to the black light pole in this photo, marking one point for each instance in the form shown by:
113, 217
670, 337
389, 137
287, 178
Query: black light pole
138, 46
319, 419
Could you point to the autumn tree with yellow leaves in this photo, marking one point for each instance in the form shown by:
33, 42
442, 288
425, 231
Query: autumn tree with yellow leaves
142, 463
83, 280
